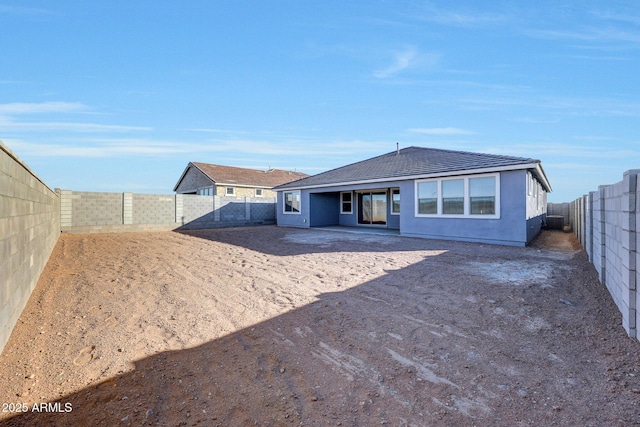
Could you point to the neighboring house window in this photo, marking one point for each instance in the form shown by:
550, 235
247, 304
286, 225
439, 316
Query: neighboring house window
395, 201
258, 192
346, 203
229, 191
292, 202
475, 196
208, 191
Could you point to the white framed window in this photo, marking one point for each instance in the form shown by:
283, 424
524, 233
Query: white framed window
427, 203
482, 196
346, 202
291, 202
258, 192
395, 201
474, 196
453, 196
229, 191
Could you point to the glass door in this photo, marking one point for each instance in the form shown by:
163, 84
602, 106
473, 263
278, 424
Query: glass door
372, 208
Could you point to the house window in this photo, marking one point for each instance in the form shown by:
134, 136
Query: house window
229, 191
473, 197
258, 192
395, 201
346, 203
292, 202
428, 197
453, 197
482, 196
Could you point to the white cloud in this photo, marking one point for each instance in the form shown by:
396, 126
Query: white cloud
406, 59
587, 35
24, 10
8, 125
402, 61
112, 147
441, 131
17, 108
459, 18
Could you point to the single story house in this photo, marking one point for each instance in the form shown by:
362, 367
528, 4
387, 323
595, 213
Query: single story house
425, 192
216, 180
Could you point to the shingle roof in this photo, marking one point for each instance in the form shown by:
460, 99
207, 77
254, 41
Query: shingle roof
250, 177
410, 162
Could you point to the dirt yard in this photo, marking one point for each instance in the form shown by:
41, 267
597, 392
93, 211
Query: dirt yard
272, 326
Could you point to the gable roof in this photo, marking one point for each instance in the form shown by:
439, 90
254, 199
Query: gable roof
418, 162
231, 175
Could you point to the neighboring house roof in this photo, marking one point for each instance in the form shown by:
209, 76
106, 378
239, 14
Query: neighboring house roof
418, 162
231, 175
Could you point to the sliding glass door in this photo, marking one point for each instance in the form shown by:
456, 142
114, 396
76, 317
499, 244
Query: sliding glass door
372, 208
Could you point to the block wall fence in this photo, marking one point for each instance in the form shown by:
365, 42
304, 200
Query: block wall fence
91, 212
32, 215
606, 224
29, 230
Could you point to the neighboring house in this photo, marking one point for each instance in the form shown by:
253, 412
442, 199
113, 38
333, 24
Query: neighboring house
425, 192
217, 180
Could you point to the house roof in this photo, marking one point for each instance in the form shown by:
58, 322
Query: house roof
231, 175
418, 162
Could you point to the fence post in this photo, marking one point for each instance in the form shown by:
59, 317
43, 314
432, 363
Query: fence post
603, 236
179, 205
216, 208
629, 203
247, 208
66, 208
127, 208
590, 229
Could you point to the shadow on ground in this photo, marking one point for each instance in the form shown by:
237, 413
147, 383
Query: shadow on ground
434, 343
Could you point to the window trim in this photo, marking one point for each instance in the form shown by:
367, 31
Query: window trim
467, 197
342, 202
391, 210
227, 193
284, 202
256, 190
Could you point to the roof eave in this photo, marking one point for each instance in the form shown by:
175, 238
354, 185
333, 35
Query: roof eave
190, 164
535, 165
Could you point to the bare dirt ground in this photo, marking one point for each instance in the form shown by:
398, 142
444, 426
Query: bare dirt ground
272, 326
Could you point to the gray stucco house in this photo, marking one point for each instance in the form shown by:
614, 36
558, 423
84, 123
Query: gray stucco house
425, 192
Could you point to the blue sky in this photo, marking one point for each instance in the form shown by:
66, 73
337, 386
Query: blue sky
121, 95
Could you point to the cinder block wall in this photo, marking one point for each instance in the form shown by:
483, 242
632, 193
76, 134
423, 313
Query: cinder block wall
606, 223
153, 209
559, 209
29, 230
88, 212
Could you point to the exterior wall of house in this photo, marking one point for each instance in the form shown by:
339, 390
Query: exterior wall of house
326, 207
536, 198
509, 229
192, 181
221, 190
513, 227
